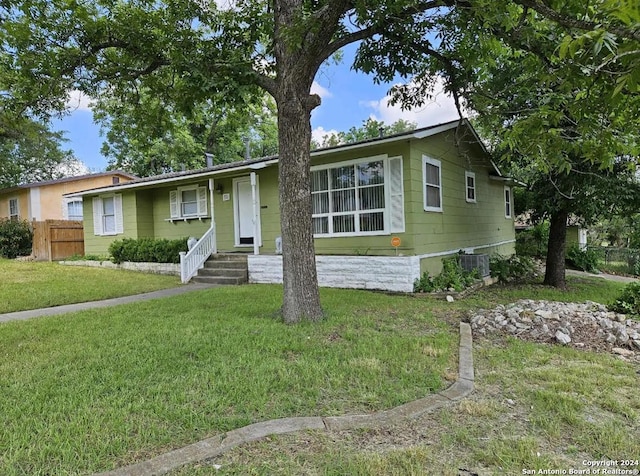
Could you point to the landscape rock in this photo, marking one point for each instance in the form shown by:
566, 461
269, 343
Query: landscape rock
623, 352
588, 325
562, 337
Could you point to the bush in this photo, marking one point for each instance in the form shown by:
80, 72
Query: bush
453, 276
629, 301
512, 268
586, 260
16, 238
533, 242
147, 250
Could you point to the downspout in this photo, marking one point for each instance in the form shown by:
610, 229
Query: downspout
256, 242
213, 221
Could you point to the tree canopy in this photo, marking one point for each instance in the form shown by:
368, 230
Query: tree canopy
370, 129
147, 135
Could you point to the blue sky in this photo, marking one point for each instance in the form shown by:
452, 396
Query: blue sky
348, 98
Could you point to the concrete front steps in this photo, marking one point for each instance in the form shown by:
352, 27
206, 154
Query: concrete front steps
222, 268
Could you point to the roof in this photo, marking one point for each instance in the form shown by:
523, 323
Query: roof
75, 178
255, 164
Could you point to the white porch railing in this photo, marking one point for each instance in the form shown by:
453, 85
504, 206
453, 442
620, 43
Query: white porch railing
192, 261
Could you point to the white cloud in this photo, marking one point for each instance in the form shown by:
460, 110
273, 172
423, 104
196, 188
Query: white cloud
78, 101
319, 132
441, 108
320, 90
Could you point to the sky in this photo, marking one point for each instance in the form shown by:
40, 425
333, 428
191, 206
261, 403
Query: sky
348, 99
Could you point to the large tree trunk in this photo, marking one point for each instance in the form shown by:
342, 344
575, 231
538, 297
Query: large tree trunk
555, 272
301, 299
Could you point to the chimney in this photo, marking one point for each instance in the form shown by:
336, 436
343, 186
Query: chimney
209, 159
380, 131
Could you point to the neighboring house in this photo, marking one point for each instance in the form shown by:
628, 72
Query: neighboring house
45, 200
384, 210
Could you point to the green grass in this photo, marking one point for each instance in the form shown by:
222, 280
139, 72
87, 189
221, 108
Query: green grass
100, 389
579, 289
32, 285
95, 390
535, 407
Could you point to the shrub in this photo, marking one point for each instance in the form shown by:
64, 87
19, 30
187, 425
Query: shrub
453, 276
629, 301
147, 250
16, 238
586, 260
533, 242
514, 268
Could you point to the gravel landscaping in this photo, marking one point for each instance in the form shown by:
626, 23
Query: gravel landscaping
586, 325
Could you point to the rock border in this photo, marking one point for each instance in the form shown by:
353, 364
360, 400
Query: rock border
219, 444
171, 269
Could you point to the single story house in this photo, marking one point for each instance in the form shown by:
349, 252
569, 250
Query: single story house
45, 200
384, 210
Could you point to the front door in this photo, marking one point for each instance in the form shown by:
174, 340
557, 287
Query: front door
243, 207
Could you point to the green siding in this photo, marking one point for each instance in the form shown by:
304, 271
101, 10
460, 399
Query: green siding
164, 228
460, 225
99, 245
144, 214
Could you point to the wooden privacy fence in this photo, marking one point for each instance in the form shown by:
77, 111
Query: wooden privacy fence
54, 240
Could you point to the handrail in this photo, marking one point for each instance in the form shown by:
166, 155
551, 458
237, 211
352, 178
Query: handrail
193, 260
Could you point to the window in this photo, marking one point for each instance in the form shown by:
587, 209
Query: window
470, 187
188, 202
432, 169
14, 213
74, 210
107, 215
507, 202
358, 198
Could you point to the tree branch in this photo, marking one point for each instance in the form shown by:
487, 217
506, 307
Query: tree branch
548, 12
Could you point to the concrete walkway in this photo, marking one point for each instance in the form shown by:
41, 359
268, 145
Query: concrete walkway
219, 444
82, 306
608, 277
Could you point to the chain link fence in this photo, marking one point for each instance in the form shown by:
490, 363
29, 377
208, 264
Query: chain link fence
621, 260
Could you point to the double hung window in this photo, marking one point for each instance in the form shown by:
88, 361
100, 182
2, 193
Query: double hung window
507, 202
470, 187
188, 202
107, 215
14, 212
432, 174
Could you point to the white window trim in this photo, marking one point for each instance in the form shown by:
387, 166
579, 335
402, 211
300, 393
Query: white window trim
508, 203
65, 208
15, 215
175, 203
386, 211
468, 175
428, 160
98, 207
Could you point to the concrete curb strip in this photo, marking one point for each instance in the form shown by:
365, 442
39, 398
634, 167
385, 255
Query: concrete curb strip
219, 444
83, 306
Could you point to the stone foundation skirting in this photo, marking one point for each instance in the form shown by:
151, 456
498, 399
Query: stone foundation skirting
154, 268
386, 273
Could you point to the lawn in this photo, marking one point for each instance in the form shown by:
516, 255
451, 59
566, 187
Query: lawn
32, 285
535, 407
95, 390
100, 389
